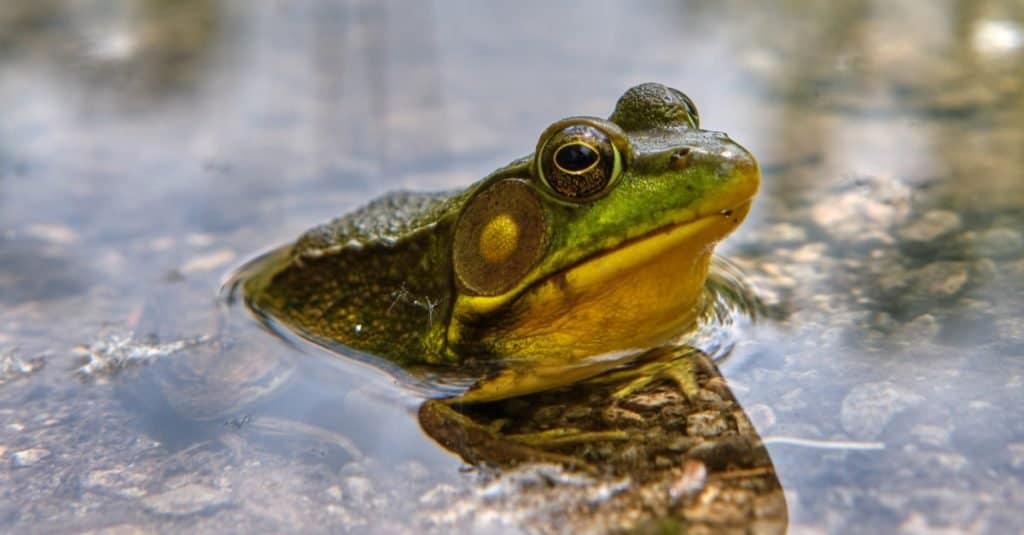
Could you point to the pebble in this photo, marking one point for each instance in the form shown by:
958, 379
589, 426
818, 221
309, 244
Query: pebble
706, 424
653, 400
414, 470
1010, 329
761, 416
691, 479
358, 488
186, 500
868, 408
931, 435
29, 457
811, 253
334, 492
932, 225
781, 234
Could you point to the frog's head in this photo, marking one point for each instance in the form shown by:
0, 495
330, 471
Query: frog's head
600, 241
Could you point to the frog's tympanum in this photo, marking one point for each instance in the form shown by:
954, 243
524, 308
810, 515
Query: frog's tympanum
593, 247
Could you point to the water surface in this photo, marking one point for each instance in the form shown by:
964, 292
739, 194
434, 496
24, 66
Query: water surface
147, 149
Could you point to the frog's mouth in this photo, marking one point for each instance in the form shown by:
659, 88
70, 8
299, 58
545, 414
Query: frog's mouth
668, 246
636, 294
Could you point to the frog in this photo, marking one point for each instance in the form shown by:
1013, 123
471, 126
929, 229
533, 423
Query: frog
598, 243
556, 268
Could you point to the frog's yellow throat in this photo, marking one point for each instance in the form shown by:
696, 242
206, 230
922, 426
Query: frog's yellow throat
639, 294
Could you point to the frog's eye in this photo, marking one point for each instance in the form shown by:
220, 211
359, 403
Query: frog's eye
578, 161
499, 237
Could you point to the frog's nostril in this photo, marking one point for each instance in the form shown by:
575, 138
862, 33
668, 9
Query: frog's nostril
679, 158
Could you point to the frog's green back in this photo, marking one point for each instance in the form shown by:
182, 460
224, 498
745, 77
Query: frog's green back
375, 279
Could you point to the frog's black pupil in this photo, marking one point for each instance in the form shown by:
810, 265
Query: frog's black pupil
575, 157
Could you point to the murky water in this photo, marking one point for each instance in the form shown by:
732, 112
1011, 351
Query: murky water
147, 149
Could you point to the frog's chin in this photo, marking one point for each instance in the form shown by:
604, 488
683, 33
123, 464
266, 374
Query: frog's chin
641, 293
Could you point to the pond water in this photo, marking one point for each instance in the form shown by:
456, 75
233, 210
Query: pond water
148, 149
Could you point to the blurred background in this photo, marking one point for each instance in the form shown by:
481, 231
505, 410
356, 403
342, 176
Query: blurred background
148, 147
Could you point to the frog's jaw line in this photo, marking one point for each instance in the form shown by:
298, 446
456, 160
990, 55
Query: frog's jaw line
645, 288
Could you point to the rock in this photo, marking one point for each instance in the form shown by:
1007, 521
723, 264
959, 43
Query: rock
868, 408
186, 500
117, 481
923, 328
984, 268
620, 416
940, 279
932, 225
29, 457
780, 234
866, 213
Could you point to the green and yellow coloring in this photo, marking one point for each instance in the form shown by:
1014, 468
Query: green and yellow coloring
597, 244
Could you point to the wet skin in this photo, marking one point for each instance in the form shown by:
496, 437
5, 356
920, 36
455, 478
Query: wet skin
555, 267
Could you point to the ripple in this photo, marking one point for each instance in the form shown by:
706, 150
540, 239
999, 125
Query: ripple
731, 305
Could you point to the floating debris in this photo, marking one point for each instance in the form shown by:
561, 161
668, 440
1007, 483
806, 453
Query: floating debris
114, 352
13, 367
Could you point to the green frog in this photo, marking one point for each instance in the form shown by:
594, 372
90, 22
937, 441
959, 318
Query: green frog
556, 268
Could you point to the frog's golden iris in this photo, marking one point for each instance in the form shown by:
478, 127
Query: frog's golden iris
597, 244
579, 158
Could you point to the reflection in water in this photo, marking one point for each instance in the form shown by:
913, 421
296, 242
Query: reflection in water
683, 455
633, 450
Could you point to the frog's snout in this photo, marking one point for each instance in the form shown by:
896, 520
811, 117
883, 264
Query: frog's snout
741, 160
728, 155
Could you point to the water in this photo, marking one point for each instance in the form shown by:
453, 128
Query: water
147, 150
